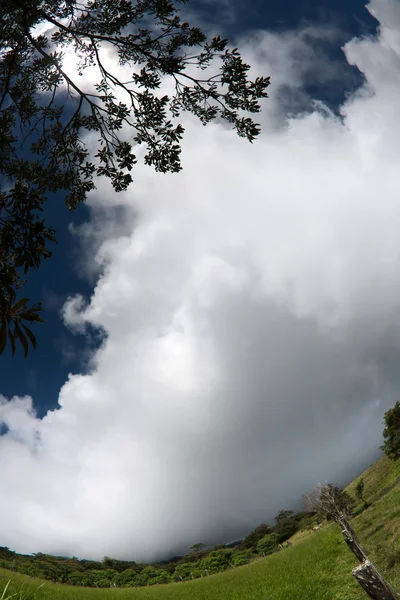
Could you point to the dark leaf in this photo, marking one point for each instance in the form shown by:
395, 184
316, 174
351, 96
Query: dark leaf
30, 335
12, 341
20, 304
3, 337
20, 335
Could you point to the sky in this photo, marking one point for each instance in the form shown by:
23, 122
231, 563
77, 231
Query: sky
219, 341
59, 352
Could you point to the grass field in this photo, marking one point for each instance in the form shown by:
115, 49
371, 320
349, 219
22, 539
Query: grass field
318, 566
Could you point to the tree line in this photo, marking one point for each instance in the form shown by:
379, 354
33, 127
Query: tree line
198, 562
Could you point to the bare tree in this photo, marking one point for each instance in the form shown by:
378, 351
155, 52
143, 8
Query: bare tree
334, 504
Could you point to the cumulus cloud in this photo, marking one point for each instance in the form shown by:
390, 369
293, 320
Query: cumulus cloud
252, 333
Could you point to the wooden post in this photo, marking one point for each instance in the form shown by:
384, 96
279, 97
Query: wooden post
334, 504
351, 540
373, 583
366, 573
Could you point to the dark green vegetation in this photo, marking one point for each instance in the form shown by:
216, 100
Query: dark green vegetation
391, 433
200, 562
317, 567
46, 112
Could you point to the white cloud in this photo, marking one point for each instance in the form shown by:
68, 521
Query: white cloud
251, 310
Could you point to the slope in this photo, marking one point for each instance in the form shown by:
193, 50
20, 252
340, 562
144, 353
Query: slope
318, 566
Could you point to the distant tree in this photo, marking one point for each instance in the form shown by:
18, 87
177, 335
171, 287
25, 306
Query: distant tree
197, 547
285, 528
217, 560
150, 575
79, 578
283, 514
108, 562
183, 571
6, 553
126, 578
251, 540
46, 110
391, 433
241, 557
329, 501
104, 578
268, 544
360, 491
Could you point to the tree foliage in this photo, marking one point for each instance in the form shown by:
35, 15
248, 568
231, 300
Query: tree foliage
197, 547
285, 528
268, 544
360, 489
283, 514
251, 540
23, 237
217, 561
391, 433
360, 493
243, 557
47, 113
330, 502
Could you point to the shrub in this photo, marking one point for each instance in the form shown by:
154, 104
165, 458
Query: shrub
242, 558
127, 577
183, 571
268, 544
250, 541
391, 433
217, 561
285, 529
359, 509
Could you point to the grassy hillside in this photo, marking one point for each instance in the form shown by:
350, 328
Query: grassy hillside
318, 566
303, 572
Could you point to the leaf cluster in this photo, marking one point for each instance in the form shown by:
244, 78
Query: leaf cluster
23, 239
268, 544
55, 108
391, 432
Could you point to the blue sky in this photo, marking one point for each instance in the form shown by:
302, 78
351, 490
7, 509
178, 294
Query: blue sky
60, 351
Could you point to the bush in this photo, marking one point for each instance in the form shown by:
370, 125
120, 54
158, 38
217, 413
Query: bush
306, 522
126, 578
285, 529
360, 509
183, 571
268, 544
217, 561
102, 583
250, 541
391, 433
196, 573
242, 558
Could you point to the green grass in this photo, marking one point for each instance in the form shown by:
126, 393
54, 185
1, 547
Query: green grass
379, 479
12, 592
317, 567
314, 569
